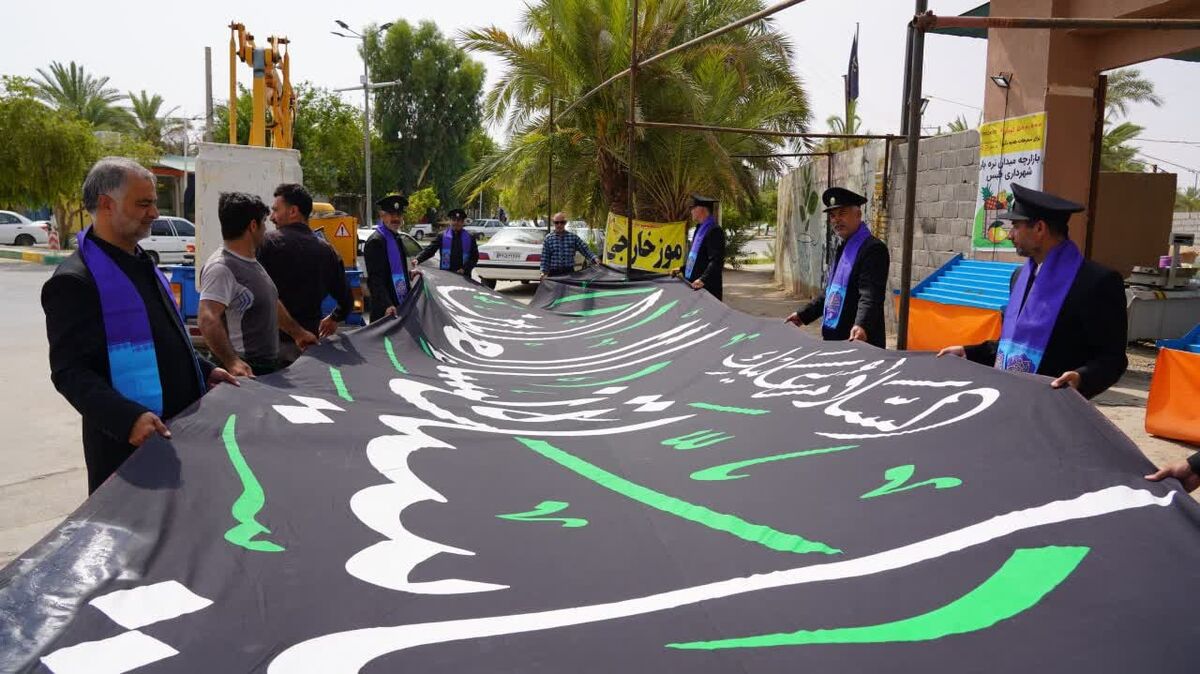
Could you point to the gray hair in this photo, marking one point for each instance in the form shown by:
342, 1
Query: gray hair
110, 176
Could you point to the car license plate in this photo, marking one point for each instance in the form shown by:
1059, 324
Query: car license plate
508, 256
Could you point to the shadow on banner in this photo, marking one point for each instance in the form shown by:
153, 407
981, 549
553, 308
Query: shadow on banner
658, 246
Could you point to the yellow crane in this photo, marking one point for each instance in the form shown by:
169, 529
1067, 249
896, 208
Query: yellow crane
272, 88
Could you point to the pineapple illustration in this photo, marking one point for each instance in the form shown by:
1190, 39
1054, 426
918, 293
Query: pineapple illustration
990, 201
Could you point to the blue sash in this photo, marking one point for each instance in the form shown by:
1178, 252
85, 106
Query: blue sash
447, 242
395, 262
1026, 330
132, 360
839, 277
697, 242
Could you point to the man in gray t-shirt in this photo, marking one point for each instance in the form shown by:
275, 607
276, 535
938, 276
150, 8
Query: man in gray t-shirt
240, 314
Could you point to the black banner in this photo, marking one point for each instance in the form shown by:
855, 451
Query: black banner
625, 477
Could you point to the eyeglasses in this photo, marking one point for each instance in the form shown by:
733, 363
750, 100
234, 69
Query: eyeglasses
560, 222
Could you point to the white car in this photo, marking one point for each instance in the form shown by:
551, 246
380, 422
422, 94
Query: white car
18, 230
482, 229
512, 254
170, 239
421, 230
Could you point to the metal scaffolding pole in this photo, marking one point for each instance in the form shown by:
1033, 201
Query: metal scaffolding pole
682, 126
926, 21
910, 177
632, 131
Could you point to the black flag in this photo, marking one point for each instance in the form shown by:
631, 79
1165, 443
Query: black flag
852, 70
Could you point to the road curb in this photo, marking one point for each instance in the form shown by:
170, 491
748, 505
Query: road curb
34, 256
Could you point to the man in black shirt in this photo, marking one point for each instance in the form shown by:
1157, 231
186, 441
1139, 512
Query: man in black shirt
456, 248
122, 405
388, 276
304, 267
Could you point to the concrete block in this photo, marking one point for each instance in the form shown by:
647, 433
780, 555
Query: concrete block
965, 193
926, 225
966, 212
968, 157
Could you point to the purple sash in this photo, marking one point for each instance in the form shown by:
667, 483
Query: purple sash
839, 277
697, 241
395, 262
1026, 330
132, 360
447, 242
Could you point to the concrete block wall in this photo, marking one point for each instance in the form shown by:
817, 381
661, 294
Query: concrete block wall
947, 180
1186, 223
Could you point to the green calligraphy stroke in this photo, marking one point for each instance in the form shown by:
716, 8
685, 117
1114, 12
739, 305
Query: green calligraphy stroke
740, 337
603, 310
726, 471
898, 475
760, 534
697, 440
731, 410
540, 512
661, 310
425, 347
391, 352
1019, 585
598, 294
251, 500
629, 377
339, 384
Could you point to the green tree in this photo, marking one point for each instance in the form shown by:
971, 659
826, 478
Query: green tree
1125, 87
837, 124
1187, 200
420, 201
44, 157
959, 125
150, 123
328, 135
567, 47
72, 89
427, 119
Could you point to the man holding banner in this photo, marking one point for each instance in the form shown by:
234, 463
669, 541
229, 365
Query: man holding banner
1066, 315
706, 256
388, 275
852, 305
455, 248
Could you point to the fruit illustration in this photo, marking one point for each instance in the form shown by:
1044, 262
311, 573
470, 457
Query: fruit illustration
996, 233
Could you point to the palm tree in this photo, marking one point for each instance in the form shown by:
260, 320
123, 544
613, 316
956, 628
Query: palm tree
72, 89
838, 124
1188, 199
567, 47
150, 123
959, 125
1125, 87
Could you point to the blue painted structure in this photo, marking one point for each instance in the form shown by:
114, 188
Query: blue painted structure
1189, 342
971, 283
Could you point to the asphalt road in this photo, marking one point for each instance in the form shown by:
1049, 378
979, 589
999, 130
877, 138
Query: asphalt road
41, 455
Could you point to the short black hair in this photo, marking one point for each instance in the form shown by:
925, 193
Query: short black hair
236, 210
1058, 225
295, 195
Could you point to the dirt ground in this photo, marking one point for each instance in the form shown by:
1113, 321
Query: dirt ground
753, 290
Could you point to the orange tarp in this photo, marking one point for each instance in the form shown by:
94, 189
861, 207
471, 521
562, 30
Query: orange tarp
1173, 410
933, 325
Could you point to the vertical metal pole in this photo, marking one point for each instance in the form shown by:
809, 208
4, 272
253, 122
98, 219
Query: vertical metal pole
633, 60
908, 47
370, 205
233, 98
208, 99
1099, 101
550, 141
910, 177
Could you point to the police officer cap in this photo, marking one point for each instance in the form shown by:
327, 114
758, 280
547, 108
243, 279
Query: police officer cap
393, 203
457, 214
1031, 204
837, 197
706, 202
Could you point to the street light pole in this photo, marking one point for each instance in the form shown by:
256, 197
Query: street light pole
366, 89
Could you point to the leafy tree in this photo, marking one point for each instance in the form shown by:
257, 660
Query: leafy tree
426, 121
72, 89
838, 125
959, 125
328, 135
420, 201
1187, 200
150, 123
1125, 87
567, 47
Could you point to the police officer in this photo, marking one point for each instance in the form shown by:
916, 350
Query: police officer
389, 275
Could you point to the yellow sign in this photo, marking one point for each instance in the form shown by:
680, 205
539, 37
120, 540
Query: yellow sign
1018, 134
657, 246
